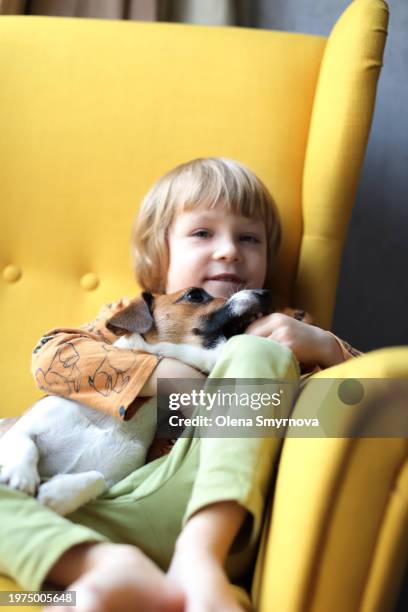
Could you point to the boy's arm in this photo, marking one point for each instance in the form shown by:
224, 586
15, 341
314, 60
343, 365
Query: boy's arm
336, 351
340, 349
168, 369
212, 529
198, 563
347, 351
82, 365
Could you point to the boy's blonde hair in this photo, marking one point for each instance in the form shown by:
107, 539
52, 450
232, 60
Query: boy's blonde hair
204, 182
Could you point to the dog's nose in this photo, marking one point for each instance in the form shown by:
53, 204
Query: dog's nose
264, 298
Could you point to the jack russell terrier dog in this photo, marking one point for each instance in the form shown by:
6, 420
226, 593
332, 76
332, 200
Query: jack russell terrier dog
82, 451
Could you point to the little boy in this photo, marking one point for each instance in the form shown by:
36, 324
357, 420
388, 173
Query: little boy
195, 509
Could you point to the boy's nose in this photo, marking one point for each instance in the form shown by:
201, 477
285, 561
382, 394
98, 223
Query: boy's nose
227, 251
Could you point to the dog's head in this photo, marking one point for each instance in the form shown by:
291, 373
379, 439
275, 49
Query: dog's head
190, 316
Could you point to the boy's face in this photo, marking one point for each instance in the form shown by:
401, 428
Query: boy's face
207, 243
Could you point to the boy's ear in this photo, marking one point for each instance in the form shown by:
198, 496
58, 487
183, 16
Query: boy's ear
135, 318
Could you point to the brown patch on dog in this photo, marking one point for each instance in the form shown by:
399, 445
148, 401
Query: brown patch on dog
173, 320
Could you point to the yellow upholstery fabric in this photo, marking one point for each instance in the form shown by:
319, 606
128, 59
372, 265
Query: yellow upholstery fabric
339, 528
338, 134
91, 114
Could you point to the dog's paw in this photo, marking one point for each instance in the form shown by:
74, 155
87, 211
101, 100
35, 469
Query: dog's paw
53, 495
65, 493
211, 358
22, 477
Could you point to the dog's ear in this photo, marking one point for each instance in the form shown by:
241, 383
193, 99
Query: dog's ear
149, 299
135, 318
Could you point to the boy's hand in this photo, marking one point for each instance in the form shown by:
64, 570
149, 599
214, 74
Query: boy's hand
169, 368
310, 345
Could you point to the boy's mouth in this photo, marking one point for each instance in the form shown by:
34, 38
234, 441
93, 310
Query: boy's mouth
227, 278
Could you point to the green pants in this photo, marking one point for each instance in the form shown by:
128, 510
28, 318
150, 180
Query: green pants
150, 506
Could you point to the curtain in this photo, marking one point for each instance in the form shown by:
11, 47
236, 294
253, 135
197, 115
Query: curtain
208, 12
12, 7
101, 9
144, 10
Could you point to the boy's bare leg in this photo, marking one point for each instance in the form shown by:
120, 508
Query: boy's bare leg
201, 550
114, 577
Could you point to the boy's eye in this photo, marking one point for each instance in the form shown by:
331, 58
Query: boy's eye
249, 238
245, 237
201, 233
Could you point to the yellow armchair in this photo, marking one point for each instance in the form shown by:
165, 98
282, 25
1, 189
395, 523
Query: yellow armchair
92, 112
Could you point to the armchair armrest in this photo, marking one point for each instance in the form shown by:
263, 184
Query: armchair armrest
338, 536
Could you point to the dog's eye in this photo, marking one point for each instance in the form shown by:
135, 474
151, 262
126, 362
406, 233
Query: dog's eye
196, 295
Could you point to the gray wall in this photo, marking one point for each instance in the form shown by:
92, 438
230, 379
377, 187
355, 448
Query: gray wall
372, 299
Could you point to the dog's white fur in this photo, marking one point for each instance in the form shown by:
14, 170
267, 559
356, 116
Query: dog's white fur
62, 440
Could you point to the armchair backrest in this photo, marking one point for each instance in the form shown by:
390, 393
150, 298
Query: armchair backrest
92, 112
